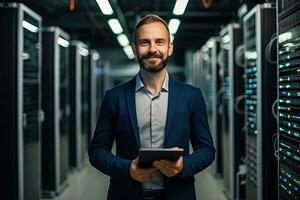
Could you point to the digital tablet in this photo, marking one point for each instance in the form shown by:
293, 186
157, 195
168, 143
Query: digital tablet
148, 155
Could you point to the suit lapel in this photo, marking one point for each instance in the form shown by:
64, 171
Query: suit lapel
171, 109
130, 96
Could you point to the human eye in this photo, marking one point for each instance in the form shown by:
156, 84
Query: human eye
143, 42
160, 42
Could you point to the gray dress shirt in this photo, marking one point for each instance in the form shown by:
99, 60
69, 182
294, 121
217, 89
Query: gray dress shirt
151, 116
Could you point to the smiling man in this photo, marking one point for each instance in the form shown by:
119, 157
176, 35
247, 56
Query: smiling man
153, 110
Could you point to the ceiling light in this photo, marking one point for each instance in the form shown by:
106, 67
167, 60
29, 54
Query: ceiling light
115, 26
173, 25
29, 26
180, 6
123, 40
129, 52
96, 56
105, 7
83, 51
62, 42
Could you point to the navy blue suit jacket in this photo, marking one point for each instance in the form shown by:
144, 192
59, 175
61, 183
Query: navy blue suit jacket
186, 121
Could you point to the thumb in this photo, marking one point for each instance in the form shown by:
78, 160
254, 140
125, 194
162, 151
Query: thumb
175, 148
135, 161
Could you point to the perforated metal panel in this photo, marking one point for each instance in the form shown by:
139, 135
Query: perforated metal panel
289, 98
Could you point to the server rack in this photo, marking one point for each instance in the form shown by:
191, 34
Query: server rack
192, 66
207, 76
95, 89
197, 69
55, 103
232, 118
200, 72
289, 99
212, 80
20, 102
259, 26
100, 86
79, 94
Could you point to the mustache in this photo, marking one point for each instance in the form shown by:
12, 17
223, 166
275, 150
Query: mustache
152, 54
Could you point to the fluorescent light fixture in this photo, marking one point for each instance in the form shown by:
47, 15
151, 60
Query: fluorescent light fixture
62, 42
172, 37
180, 7
173, 25
83, 51
115, 26
123, 40
105, 7
129, 52
29, 26
96, 56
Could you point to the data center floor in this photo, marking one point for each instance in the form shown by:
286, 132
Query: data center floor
89, 184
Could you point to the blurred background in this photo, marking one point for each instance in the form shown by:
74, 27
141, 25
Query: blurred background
58, 58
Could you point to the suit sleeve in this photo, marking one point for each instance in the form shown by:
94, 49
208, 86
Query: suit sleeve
100, 155
203, 148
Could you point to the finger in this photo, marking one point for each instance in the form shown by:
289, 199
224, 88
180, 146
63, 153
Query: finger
168, 163
175, 164
166, 172
135, 161
176, 148
161, 165
179, 162
163, 168
158, 164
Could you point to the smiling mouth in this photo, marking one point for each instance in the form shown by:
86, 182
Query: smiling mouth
152, 58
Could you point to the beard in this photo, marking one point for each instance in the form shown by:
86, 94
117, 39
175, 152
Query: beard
152, 68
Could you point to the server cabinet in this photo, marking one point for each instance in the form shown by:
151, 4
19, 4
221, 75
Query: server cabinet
100, 86
233, 90
20, 102
289, 99
259, 26
55, 103
207, 77
197, 69
199, 65
213, 84
95, 89
79, 94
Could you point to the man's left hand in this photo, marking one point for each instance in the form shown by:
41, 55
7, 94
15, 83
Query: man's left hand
169, 168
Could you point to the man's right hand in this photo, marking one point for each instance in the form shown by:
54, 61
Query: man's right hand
139, 174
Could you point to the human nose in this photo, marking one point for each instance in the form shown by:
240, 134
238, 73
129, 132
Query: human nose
152, 47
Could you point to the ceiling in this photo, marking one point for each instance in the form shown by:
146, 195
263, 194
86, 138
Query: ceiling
88, 24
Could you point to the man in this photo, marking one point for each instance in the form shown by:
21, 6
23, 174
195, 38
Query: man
152, 110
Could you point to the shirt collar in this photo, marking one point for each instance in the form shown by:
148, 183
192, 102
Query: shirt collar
139, 83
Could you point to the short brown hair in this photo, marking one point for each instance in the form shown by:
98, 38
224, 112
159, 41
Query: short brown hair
150, 18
